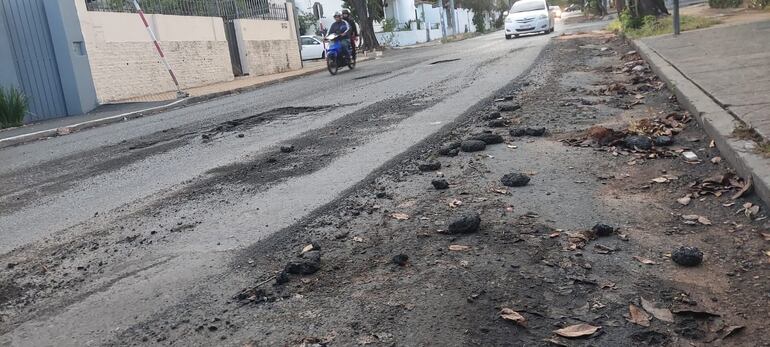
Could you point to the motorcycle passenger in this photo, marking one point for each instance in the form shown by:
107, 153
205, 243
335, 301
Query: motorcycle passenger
353, 31
342, 30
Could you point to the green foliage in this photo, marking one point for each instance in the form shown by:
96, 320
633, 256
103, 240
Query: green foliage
13, 107
307, 21
651, 26
725, 3
389, 25
479, 21
759, 3
376, 10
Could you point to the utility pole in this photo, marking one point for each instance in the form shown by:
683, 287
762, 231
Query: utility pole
441, 17
455, 27
676, 18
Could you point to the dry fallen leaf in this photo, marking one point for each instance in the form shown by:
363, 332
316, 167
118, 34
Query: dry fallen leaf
638, 316
644, 260
659, 313
358, 239
577, 330
704, 220
712, 144
684, 200
766, 236
307, 248
459, 248
400, 216
501, 191
660, 180
511, 315
746, 187
716, 160
455, 203
556, 234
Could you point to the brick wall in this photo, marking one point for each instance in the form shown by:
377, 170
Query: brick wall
123, 70
271, 56
124, 63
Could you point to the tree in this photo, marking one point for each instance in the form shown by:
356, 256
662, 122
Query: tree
365, 12
640, 8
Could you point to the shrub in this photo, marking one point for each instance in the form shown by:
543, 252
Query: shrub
13, 107
389, 25
651, 26
758, 3
479, 22
725, 3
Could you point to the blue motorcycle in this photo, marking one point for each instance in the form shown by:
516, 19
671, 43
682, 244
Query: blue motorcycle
335, 57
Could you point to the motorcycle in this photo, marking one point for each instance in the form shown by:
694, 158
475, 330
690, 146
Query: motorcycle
335, 57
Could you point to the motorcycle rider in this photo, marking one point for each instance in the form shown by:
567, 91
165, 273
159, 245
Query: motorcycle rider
353, 30
342, 29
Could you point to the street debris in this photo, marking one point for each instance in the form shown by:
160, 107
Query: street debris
400, 259
577, 330
602, 230
638, 142
432, 165
659, 313
685, 200
459, 248
644, 260
515, 179
465, 224
508, 107
638, 316
450, 150
687, 256
399, 216
497, 123
690, 155
511, 315
488, 138
749, 210
440, 184
473, 145
308, 264
527, 131
693, 219
287, 148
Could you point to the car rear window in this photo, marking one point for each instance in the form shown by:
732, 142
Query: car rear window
526, 6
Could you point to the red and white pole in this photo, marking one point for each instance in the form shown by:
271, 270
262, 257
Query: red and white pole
179, 92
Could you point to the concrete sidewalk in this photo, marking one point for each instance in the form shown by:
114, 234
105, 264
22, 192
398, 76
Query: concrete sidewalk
722, 75
147, 105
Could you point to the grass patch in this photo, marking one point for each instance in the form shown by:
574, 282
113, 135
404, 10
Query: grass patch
747, 133
13, 107
651, 26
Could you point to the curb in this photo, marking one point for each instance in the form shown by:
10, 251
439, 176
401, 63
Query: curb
65, 130
715, 120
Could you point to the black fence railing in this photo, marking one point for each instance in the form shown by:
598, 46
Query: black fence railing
227, 9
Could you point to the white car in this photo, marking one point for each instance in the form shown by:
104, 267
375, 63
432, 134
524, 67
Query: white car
312, 47
528, 16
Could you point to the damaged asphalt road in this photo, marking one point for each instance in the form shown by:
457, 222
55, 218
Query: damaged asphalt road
296, 215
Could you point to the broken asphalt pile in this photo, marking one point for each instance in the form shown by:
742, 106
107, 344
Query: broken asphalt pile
578, 207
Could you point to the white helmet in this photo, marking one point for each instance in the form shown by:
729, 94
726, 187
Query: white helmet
338, 14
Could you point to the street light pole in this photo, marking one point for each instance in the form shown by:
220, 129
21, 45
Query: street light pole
676, 18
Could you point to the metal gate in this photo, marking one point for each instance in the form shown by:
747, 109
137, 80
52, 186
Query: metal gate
232, 44
34, 58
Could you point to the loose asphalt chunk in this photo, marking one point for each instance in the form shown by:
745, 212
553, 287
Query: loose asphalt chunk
287, 148
662, 141
515, 179
488, 138
508, 107
432, 165
308, 264
465, 224
400, 259
603, 230
497, 123
638, 142
473, 145
536, 131
450, 149
491, 116
687, 256
440, 184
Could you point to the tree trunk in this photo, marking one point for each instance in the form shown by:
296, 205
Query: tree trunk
367, 27
650, 8
620, 5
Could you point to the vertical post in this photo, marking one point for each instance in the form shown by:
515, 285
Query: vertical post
441, 18
455, 25
179, 92
676, 18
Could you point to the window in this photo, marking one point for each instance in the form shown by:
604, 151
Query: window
308, 41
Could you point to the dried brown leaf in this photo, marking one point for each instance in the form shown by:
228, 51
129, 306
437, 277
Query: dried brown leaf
716, 160
644, 260
659, 313
660, 180
745, 189
703, 220
684, 200
638, 316
511, 315
459, 248
577, 330
400, 216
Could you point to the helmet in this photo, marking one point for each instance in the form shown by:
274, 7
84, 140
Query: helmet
337, 14
345, 11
